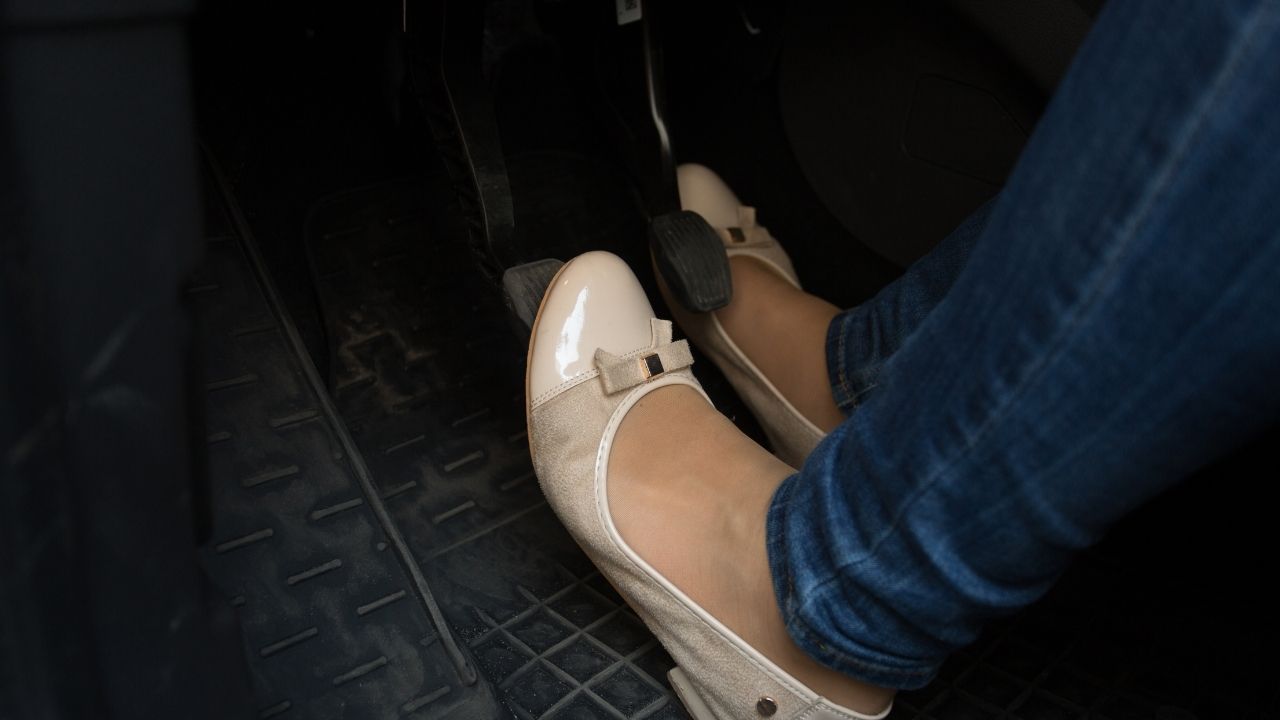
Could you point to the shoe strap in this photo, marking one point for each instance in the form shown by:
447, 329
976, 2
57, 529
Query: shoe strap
641, 366
747, 232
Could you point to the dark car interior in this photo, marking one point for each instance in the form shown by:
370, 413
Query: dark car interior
271, 268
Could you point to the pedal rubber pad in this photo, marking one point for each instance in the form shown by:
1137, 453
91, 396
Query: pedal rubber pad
691, 259
524, 285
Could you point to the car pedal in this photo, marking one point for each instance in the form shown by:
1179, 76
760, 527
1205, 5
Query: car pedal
524, 285
691, 259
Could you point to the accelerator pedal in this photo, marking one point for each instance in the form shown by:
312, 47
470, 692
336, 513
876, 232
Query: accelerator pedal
691, 259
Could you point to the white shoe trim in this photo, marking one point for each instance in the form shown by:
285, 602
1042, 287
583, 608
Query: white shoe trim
775, 267
718, 329
569, 384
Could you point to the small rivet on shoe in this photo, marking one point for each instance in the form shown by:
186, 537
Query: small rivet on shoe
766, 706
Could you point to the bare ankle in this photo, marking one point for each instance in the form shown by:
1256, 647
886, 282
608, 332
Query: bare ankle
690, 494
783, 330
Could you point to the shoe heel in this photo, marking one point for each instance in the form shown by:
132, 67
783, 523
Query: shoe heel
693, 702
691, 258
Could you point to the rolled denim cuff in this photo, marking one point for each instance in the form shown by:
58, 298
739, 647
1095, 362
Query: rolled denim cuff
790, 529
847, 387
836, 375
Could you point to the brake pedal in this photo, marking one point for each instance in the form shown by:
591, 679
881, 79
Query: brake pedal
524, 285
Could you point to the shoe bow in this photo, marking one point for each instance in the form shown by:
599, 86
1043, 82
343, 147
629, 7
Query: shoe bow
621, 372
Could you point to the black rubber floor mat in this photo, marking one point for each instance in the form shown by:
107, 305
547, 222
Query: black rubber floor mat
429, 377
337, 620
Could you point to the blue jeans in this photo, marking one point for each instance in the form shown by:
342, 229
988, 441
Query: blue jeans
1107, 325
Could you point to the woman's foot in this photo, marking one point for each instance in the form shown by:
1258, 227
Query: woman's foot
783, 331
689, 493
770, 341
664, 493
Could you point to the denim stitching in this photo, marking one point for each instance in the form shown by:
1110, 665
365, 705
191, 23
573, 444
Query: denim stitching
843, 390
807, 636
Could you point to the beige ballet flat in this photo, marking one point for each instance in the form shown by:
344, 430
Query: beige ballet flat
596, 349
792, 435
